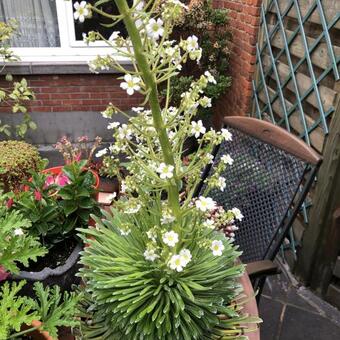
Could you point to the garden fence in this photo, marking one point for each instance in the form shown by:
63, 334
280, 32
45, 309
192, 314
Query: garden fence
296, 86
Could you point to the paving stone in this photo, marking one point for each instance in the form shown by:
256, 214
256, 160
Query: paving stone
299, 324
270, 312
277, 286
294, 298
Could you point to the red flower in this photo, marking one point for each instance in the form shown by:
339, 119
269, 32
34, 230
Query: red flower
62, 180
9, 203
37, 195
3, 273
49, 181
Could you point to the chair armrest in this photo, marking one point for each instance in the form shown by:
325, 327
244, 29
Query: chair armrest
260, 268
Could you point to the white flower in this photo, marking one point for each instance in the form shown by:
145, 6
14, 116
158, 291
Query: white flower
113, 125
197, 128
155, 28
210, 77
81, 12
226, 159
210, 158
151, 235
165, 171
150, 255
177, 262
237, 213
205, 203
125, 232
217, 247
140, 5
167, 218
123, 187
170, 238
18, 232
205, 101
101, 153
114, 148
124, 132
131, 84
221, 183
186, 255
226, 135
192, 43
209, 223
133, 208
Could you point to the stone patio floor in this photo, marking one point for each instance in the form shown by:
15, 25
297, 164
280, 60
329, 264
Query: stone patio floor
292, 312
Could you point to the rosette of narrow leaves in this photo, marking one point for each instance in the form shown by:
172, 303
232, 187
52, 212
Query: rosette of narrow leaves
138, 299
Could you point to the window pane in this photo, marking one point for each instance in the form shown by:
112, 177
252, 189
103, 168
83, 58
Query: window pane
95, 22
37, 20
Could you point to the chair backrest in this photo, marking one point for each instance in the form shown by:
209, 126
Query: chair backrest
268, 181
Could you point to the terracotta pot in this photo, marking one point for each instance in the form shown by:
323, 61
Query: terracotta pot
37, 334
251, 306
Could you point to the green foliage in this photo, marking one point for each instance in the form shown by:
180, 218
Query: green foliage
17, 160
211, 27
50, 307
45, 214
77, 199
55, 210
16, 245
55, 309
134, 298
15, 310
18, 92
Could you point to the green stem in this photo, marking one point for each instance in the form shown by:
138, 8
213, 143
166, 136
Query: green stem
29, 330
150, 83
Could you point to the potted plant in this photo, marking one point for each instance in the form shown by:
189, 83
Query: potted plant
74, 153
17, 160
39, 318
20, 315
156, 265
55, 206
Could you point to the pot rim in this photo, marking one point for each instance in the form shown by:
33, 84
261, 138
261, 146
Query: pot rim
47, 271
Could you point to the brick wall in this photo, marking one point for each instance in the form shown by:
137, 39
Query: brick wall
244, 22
86, 92
90, 92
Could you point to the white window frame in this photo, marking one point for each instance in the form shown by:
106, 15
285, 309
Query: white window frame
70, 49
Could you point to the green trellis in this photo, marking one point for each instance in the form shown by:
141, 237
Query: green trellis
270, 88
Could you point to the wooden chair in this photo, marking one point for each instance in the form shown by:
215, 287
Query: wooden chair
272, 173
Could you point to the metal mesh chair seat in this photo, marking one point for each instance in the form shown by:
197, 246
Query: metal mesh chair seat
268, 181
261, 182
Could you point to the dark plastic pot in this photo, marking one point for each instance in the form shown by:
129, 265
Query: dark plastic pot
63, 276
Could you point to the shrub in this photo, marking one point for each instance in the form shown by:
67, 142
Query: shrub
17, 160
17, 92
210, 26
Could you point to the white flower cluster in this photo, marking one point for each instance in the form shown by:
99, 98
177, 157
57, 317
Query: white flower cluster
179, 261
